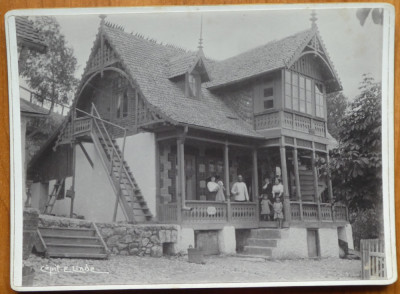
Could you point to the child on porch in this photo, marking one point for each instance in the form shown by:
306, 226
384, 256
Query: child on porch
278, 214
265, 210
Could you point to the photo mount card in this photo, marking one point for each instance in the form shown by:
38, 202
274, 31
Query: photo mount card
199, 147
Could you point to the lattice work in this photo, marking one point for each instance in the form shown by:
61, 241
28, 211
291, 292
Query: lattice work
272, 142
304, 143
267, 121
103, 56
319, 128
289, 140
288, 120
301, 123
320, 146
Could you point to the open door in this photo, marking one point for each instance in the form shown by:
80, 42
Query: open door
313, 243
190, 174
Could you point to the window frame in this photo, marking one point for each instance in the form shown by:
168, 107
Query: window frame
306, 95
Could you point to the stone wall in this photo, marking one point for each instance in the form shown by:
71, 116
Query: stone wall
127, 239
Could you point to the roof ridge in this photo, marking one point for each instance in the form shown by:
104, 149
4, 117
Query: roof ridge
266, 44
147, 39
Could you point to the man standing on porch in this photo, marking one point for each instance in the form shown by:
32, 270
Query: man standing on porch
239, 190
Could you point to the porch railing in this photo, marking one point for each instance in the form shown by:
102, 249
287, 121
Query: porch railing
239, 214
309, 212
291, 121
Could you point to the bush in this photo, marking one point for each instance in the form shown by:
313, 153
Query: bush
366, 224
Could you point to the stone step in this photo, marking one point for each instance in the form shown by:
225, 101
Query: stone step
261, 242
66, 231
265, 234
80, 255
257, 250
74, 248
55, 239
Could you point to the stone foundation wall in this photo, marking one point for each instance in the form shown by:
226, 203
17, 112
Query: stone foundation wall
126, 239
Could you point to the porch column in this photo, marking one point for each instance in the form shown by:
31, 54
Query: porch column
226, 179
286, 201
255, 176
297, 179
330, 191
315, 174
180, 146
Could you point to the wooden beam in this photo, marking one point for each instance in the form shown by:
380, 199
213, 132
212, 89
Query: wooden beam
315, 174
226, 169
297, 179
86, 154
286, 201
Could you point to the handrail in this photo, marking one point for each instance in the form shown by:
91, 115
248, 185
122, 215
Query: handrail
99, 118
114, 150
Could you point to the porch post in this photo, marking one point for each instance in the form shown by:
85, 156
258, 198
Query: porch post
297, 178
286, 201
330, 191
181, 179
315, 174
226, 179
255, 184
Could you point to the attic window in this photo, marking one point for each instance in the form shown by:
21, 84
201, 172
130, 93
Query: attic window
193, 84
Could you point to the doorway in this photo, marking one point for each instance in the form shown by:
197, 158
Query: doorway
190, 175
313, 243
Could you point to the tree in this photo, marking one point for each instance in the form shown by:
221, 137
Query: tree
336, 106
50, 75
376, 15
356, 164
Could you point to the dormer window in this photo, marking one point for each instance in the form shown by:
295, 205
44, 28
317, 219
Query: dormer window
193, 85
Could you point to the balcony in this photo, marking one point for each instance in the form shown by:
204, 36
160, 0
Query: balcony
290, 121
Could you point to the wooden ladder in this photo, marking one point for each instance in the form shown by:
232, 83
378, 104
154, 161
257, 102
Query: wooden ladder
58, 187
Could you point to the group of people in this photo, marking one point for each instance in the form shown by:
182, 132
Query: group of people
239, 189
271, 204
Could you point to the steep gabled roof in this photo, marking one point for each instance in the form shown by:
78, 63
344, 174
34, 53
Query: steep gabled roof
30, 109
147, 62
262, 59
28, 35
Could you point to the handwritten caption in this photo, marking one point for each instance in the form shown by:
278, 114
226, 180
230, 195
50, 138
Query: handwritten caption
53, 270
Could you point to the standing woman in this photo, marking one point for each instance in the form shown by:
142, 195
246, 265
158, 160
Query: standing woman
220, 193
277, 189
266, 194
212, 187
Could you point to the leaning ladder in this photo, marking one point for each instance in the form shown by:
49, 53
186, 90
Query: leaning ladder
58, 187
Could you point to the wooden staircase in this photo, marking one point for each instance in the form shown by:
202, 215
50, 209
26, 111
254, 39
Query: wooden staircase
261, 242
307, 185
66, 242
130, 196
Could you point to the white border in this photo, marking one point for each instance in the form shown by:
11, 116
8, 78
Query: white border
387, 140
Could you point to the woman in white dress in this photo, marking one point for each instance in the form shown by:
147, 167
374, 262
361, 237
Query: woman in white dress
277, 189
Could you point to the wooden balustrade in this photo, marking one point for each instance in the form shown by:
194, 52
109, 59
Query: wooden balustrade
328, 213
292, 121
239, 214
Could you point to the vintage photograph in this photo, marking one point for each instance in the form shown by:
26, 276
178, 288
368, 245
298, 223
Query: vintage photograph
202, 146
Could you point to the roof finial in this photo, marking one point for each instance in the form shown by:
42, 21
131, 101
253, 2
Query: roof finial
201, 33
102, 21
313, 19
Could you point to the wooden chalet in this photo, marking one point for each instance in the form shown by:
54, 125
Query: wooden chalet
150, 122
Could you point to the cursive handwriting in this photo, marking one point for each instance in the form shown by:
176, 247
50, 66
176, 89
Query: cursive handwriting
53, 270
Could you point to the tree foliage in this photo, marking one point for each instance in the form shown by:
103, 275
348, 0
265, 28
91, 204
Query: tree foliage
356, 165
336, 106
50, 75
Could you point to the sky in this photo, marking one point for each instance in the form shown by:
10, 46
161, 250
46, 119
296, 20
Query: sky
353, 49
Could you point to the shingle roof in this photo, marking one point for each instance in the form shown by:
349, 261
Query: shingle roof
147, 62
32, 109
262, 59
179, 65
28, 34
